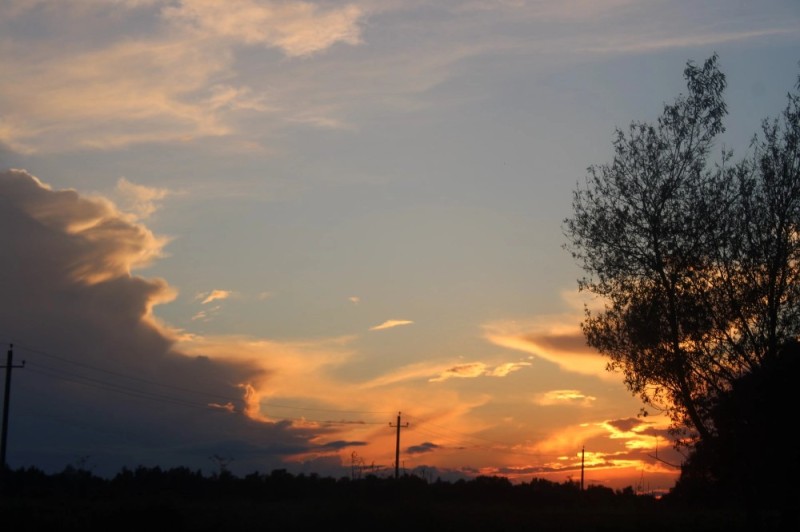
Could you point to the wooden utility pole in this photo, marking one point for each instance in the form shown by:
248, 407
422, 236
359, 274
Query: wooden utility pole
583, 451
397, 447
6, 399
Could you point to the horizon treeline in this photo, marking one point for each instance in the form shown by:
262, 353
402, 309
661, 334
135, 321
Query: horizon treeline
180, 498
183, 481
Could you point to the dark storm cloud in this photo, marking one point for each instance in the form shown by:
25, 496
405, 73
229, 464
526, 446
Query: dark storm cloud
103, 378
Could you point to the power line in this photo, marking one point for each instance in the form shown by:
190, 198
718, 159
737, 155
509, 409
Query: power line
122, 375
111, 387
135, 392
507, 445
327, 409
124, 390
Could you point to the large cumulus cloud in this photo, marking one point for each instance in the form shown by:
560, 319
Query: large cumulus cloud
104, 381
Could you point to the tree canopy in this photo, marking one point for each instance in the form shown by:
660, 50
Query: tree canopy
694, 256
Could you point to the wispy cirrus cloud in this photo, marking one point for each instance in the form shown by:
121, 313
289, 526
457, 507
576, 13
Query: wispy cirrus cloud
504, 370
170, 77
207, 314
478, 369
214, 295
441, 371
139, 200
390, 324
171, 72
654, 42
296, 28
463, 371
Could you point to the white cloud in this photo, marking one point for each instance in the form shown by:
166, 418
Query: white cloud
389, 324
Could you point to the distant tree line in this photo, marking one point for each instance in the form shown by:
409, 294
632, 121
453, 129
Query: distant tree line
184, 499
183, 482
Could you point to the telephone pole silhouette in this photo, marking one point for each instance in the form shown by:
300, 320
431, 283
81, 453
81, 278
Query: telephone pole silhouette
397, 447
583, 451
6, 398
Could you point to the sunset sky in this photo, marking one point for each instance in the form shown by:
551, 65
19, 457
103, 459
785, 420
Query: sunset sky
257, 230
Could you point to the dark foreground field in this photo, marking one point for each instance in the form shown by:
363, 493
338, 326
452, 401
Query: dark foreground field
157, 500
172, 515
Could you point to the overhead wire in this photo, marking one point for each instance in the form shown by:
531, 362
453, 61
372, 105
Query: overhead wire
453, 437
143, 394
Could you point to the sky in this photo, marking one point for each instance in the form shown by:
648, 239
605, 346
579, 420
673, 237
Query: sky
250, 234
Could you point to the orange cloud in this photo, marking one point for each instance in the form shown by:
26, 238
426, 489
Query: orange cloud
214, 295
505, 369
469, 371
478, 369
110, 246
297, 28
139, 200
555, 338
568, 397
279, 369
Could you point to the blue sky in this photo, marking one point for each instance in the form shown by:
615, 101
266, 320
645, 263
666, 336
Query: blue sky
348, 209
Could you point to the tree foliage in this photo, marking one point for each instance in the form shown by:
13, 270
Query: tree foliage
696, 263
739, 466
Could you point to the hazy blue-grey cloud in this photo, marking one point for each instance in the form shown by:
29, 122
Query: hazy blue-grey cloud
340, 444
425, 447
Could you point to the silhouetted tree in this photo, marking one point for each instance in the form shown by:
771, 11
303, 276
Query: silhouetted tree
696, 264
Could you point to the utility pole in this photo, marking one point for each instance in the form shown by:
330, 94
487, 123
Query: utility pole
7, 397
397, 447
583, 451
